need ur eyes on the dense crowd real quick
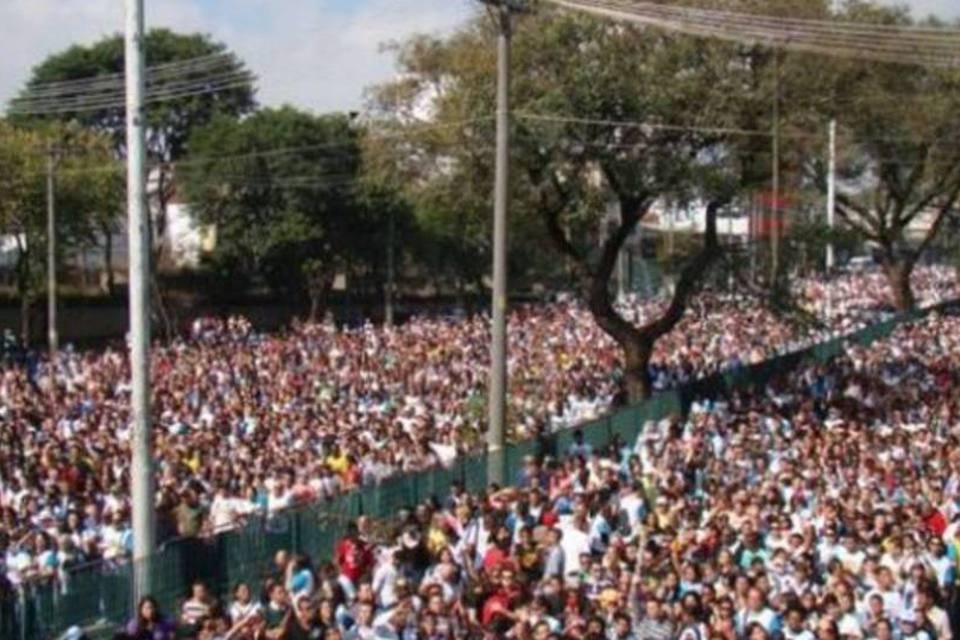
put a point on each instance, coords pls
(824, 506)
(247, 422)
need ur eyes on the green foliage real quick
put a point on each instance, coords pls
(282, 188)
(169, 123)
(898, 127)
(88, 190)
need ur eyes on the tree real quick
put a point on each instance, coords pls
(605, 114)
(899, 128)
(87, 188)
(169, 123)
(282, 189)
(440, 160)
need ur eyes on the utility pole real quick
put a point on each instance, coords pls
(831, 190)
(52, 337)
(388, 293)
(776, 217)
(831, 177)
(752, 237)
(141, 473)
(498, 347)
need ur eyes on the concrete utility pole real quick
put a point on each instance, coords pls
(776, 217)
(144, 534)
(52, 337)
(831, 189)
(832, 175)
(752, 236)
(498, 347)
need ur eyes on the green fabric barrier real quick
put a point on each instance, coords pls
(474, 470)
(515, 454)
(595, 433)
(436, 483)
(104, 592)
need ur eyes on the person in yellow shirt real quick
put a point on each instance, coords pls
(337, 461)
(437, 539)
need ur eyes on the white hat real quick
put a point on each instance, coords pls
(73, 633)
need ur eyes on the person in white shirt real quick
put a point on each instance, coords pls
(892, 598)
(384, 580)
(575, 541)
(928, 611)
(757, 611)
(244, 606)
(910, 629)
(795, 628)
(851, 555)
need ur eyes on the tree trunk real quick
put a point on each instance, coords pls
(637, 384)
(898, 275)
(111, 284)
(23, 291)
(319, 286)
(158, 308)
(25, 319)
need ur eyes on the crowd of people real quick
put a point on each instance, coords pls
(247, 422)
(824, 506)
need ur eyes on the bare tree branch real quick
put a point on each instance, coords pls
(945, 210)
(690, 278)
(852, 214)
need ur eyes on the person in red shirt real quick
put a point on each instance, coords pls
(501, 602)
(498, 554)
(934, 521)
(353, 556)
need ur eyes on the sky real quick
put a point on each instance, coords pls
(315, 54)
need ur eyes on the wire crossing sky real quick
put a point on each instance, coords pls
(317, 54)
(882, 43)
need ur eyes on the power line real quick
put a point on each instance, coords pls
(202, 64)
(177, 80)
(353, 146)
(199, 90)
(317, 147)
(654, 126)
(761, 133)
(113, 96)
(939, 48)
(936, 37)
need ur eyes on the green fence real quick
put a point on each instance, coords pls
(103, 593)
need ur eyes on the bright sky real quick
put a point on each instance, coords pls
(318, 54)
